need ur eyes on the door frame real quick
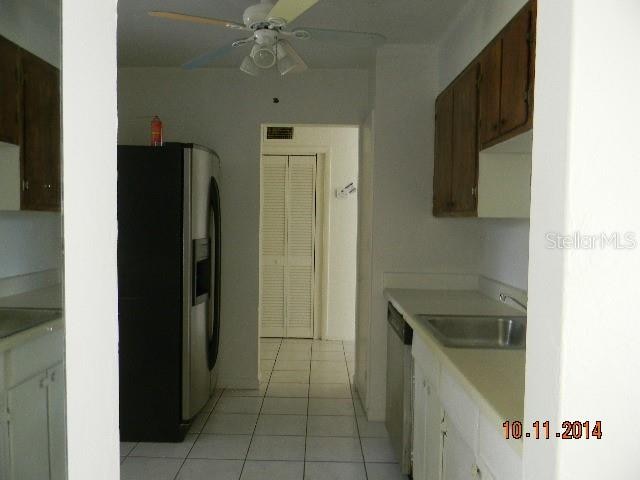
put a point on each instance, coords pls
(321, 229)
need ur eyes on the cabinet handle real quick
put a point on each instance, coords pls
(25, 185)
(474, 191)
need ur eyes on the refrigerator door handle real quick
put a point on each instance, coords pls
(213, 342)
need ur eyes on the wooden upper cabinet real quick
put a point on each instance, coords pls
(490, 85)
(456, 148)
(443, 152)
(506, 80)
(516, 61)
(464, 158)
(10, 125)
(488, 103)
(41, 135)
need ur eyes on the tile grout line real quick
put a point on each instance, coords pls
(306, 430)
(314, 348)
(199, 433)
(269, 382)
(253, 433)
(355, 414)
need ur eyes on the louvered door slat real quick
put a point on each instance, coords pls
(273, 246)
(300, 246)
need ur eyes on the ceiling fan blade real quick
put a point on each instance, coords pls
(208, 58)
(343, 37)
(289, 10)
(194, 19)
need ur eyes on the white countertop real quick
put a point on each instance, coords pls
(49, 297)
(493, 378)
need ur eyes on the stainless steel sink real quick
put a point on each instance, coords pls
(477, 331)
(14, 320)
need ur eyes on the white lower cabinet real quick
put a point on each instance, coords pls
(452, 439)
(57, 423)
(458, 458)
(33, 429)
(427, 429)
(29, 429)
(36, 427)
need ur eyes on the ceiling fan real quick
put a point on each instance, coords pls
(270, 35)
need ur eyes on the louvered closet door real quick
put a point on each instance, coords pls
(299, 271)
(273, 246)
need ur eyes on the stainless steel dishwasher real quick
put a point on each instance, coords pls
(399, 411)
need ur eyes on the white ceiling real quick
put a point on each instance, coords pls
(148, 41)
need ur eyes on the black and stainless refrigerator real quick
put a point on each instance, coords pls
(168, 287)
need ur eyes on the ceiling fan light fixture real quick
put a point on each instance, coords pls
(286, 65)
(248, 66)
(263, 56)
(286, 62)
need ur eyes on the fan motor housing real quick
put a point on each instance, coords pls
(256, 14)
(265, 37)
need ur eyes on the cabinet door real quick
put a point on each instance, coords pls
(465, 143)
(458, 459)
(57, 430)
(516, 56)
(433, 437)
(489, 101)
(443, 152)
(41, 138)
(9, 92)
(427, 432)
(273, 244)
(419, 456)
(29, 429)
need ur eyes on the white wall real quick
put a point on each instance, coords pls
(364, 255)
(224, 108)
(504, 242)
(90, 229)
(34, 25)
(31, 241)
(343, 234)
(582, 341)
(406, 236)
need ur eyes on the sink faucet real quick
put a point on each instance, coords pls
(504, 297)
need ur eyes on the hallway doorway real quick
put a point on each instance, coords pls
(308, 231)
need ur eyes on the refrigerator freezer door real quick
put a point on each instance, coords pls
(197, 376)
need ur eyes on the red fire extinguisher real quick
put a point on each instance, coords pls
(156, 132)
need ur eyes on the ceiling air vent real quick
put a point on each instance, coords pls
(279, 133)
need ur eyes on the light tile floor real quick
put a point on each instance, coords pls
(303, 423)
